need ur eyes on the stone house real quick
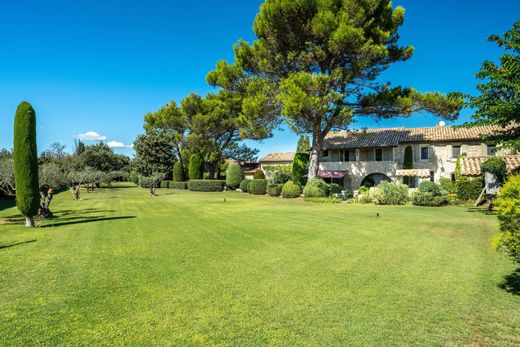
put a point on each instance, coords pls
(355, 158)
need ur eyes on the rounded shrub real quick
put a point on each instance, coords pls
(274, 189)
(178, 172)
(243, 184)
(300, 167)
(291, 190)
(319, 183)
(26, 162)
(206, 185)
(280, 177)
(257, 187)
(430, 194)
(233, 176)
(196, 167)
(259, 174)
(310, 191)
(389, 193)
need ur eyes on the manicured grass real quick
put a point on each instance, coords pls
(188, 268)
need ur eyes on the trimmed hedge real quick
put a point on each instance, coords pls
(274, 189)
(234, 176)
(178, 185)
(244, 184)
(206, 185)
(291, 190)
(165, 184)
(178, 172)
(323, 200)
(311, 191)
(196, 167)
(257, 187)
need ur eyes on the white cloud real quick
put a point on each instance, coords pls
(91, 136)
(117, 144)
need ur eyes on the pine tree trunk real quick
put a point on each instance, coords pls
(29, 222)
(314, 159)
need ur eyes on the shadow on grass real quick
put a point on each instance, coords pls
(16, 244)
(56, 222)
(6, 203)
(511, 283)
(482, 209)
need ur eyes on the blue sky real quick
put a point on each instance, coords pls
(102, 65)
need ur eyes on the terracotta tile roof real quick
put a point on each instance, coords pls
(470, 166)
(278, 156)
(250, 168)
(391, 137)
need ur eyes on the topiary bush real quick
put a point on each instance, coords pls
(243, 184)
(196, 167)
(178, 185)
(496, 166)
(280, 177)
(274, 189)
(26, 163)
(430, 194)
(165, 184)
(178, 172)
(257, 187)
(300, 167)
(206, 185)
(319, 183)
(291, 190)
(310, 191)
(389, 193)
(507, 205)
(259, 174)
(234, 176)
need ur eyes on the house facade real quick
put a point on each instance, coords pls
(367, 157)
(276, 161)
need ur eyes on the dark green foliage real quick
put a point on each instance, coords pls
(390, 193)
(26, 160)
(318, 183)
(280, 177)
(496, 166)
(154, 153)
(300, 167)
(196, 167)
(274, 168)
(259, 174)
(257, 187)
(469, 189)
(178, 172)
(310, 191)
(508, 208)
(243, 184)
(291, 190)
(234, 176)
(101, 157)
(408, 164)
(206, 185)
(335, 188)
(274, 189)
(165, 183)
(325, 200)
(448, 185)
(430, 194)
(178, 185)
(304, 145)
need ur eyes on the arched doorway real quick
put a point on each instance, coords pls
(374, 179)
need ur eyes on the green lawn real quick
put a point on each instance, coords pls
(123, 268)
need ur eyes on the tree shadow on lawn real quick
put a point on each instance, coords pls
(56, 222)
(58, 215)
(482, 210)
(16, 244)
(511, 283)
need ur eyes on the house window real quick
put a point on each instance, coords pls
(379, 154)
(452, 177)
(325, 153)
(346, 155)
(491, 150)
(455, 151)
(424, 153)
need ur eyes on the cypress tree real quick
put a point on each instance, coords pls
(26, 162)
(196, 168)
(408, 163)
(178, 172)
(300, 167)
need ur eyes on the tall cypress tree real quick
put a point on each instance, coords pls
(408, 164)
(26, 162)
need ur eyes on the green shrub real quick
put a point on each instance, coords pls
(335, 188)
(291, 190)
(389, 193)
(496, 166)
(469, 189)
(259, 174)
(26, 162)
(243, 184)
(178, 185)
(280, 177)
(310, 191)
(206, 185)
(323, 200)
(234, 176)
(274, 189)
(300, 167)
(320, 183)
(430, 194)
(196, 167)
(508, 208)
(165, 184)
(178, 172)
(448, 185)
(257, 187)
(273, 168)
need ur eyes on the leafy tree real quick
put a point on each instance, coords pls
(26, 163)
(499, 99)
(56, 153)
(304, 145)
(316, 64)
(101, 157)
(7, 180)
(196, 169)
(154, 153)
(233, 176)
(300, 167)
(497, 167)
(178, 172)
